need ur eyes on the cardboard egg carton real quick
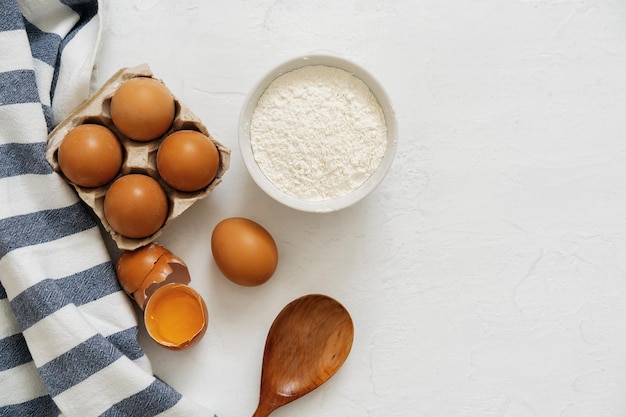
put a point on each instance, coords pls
(139, 157)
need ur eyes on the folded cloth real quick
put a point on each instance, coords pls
(68, 334)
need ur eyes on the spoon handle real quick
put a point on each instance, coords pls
(263, 410)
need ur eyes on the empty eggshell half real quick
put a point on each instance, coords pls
(141, 271)
(133, 266)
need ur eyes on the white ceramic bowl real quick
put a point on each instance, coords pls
(321, 206)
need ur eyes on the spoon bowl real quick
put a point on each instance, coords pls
(306, 345)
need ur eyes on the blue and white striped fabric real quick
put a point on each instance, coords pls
(68, 334)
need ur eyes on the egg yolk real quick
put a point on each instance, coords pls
(175, 314)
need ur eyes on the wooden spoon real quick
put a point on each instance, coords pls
(307, 343)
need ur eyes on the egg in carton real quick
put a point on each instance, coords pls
(139, 157)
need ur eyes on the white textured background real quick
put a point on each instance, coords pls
(487, 274)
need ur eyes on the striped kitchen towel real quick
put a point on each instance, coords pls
(68, 334)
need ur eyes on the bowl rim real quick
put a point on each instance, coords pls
(328, 205)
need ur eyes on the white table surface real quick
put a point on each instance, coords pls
(486, 275)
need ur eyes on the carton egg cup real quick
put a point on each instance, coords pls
(139, 157)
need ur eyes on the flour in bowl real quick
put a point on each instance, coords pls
(318, 133)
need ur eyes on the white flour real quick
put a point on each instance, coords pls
(318, 133)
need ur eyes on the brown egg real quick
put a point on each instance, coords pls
(142, 108)
(244, 251)
(90, 155)
(176, 316)
(188, 160)
(135, 206)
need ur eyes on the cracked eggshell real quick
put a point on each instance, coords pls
(142, 271)
(139, 157)
(175, 315)
(133, 266)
